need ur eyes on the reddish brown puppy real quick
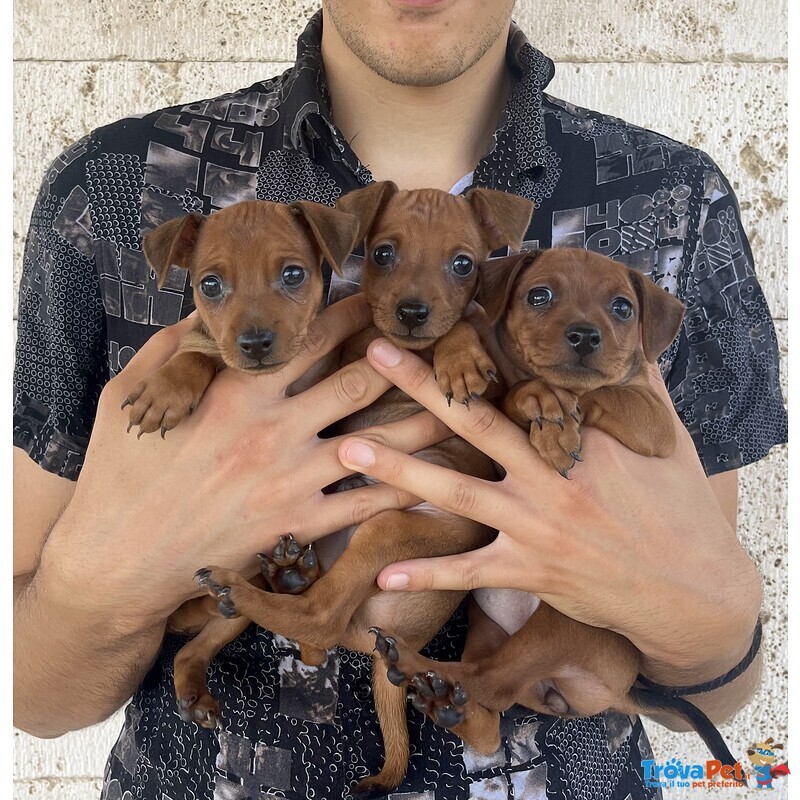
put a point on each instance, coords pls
(256, 269)
(421, 270)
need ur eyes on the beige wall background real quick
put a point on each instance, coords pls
(712, 73)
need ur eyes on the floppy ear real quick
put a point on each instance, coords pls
(366, 204)
(497, 278)
(661, 315)
(334, 231)
(503, 217)
(171, 243)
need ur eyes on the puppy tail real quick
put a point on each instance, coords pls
(649, 700)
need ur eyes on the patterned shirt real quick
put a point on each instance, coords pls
(88, 301)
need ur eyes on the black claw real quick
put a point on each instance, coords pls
(417, 701)
(422, 686)
(449, 398)
(125, 403)
(385, 645)
(130, 425)
(202, 576)
(396, 676)
(576, 455)
(560, 422)
(564, 473)
(465, 402)
(575, 417)
(538, 421)
(491, 375)
(164, 432)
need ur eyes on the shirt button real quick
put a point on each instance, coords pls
(363, 692)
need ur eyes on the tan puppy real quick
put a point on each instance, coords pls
(422, 251)
(583, 328)
(256, 269)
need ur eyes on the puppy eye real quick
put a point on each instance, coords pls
(462, 266)
(540, 296)
(211, 287)
(622, 308)
(293, 276)
(383, 255)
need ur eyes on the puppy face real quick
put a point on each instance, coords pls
(580, 320)
(256, 272)
(422, 250)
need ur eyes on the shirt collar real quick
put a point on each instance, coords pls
(518, 147)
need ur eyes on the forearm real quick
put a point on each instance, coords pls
(72, 667)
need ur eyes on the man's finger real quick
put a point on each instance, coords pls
(335, 324)
(449, 490)
(462, 572)
(481, 424)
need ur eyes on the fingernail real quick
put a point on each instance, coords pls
(397, 581)
(386, 354)
(360, 455)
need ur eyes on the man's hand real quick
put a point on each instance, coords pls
(635, 544)
(246, 467)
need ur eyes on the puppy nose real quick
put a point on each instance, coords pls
(583, 339)
(256, 344)
(412, 313)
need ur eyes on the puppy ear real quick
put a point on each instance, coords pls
(503, 217)
(171, 243)
(497, 278)
(661, 315)
(367, 203)
(334, 231)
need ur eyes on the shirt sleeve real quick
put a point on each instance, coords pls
(61, 361)
(723, 373)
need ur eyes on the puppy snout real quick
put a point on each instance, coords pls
(413, 313)
(583, 339)
(256, 344)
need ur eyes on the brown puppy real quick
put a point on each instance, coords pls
(257, 277)
(422, 251)
(583, 328)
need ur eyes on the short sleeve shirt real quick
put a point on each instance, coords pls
(88, 301)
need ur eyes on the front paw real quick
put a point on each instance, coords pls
(553, 417)
(465, 377)
(160, 403)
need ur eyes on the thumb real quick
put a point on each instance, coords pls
(463, 572)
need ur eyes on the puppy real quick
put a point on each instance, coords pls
(573, 322)
(256, 272)
(420, 272)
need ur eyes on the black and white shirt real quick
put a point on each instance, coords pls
(88, 301)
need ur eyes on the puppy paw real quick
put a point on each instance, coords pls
(553, 416)
(289, 568)
(160, 403)
(220, 584)
(466, 377)
(442, 699)
(202, 709)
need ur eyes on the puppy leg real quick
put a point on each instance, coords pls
(171, 393)
(633, 415)
(390, 703)
(462, 367)
(320, 616)
(553, 418)
(195, 703)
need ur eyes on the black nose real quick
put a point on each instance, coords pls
(583, 339)
(256, 344)
(412, 313)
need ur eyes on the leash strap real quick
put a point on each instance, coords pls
(709, 686)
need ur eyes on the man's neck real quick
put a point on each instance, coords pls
(416, 136)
